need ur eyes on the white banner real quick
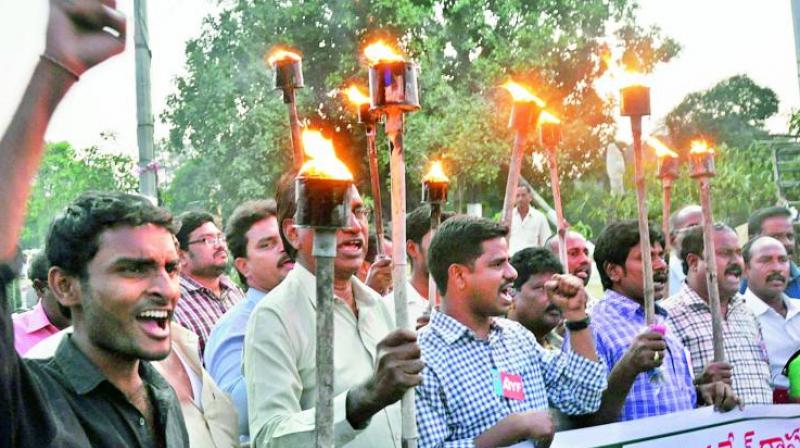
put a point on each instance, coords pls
(776, 426)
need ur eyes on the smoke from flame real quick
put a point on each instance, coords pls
(322, 161)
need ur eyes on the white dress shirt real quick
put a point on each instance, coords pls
(529, 232)
(781, 335)
(417, 305)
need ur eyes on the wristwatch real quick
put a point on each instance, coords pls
(577, 325)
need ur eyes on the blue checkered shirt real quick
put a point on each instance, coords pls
(456, 401)
(616, 320)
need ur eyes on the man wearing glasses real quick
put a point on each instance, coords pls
(206, 292)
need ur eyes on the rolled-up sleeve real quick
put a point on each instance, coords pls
(574, 384)
(274, 388)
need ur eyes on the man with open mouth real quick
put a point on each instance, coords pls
(690, 315)
(487, 382)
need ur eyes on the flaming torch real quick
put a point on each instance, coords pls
(434, 192)
(369, 119)
(524, 113)
(667, 172)
(323, 189)
(636, 104)
(288, 66)
(549, 138)
(701, 157)
(393, 92)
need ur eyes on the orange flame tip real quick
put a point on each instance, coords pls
(547, 117)
(700, 147)
(282, 54)
(356, 96)
(662, 150)
(322, 161)
(521, 94)
(380, 52)
(436, 174)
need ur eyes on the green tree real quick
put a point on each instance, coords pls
(65, 173)
(732, 112)
(227, 120)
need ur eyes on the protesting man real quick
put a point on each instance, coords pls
(766, 265)
(376, 270)
(486, 380)
(261, 262)
(776, 222)
(48, 317)
(529, 226)
(206, 292)
(633, 351)
(114, 264)
(687, 216)
(579, 262)
(690, 315)
(373, 365)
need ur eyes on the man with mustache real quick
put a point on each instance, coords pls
(633, 351)
(776, 222)
(487, 382)
(373, 365)
(579, 263)
(690, 315)
(262, 263)
(206, 292)
(766, 265)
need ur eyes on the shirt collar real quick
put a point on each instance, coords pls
(627, 306)
(253, 295)
(36, 319)
(695, 302)
(794, 271)
(190, 284)
(759, 307)
(452, 330)
(361, 292)
(84, 376)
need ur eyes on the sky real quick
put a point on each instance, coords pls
(720, 38)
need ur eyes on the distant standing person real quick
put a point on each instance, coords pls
(206, 292)
(529, 226)
(777, 223)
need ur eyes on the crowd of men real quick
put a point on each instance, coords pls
(140, 338)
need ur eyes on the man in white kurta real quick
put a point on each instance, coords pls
(529, 226)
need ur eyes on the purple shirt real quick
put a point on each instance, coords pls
(199, 308)
(30, 328)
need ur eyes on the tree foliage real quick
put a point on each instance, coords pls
(64, 174)
(731, 112)
(226, 119)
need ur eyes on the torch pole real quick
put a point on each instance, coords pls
(517, 151)
(436, 217)
(711, 269)
(294, 126)
(562, 223)
(644, 229)
(372, 155)
(394, 131)
(666, 186)
(324, 252)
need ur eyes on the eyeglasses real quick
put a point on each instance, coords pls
(362, 213)
(210, 241)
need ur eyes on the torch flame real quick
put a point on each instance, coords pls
(521, 94)
(436, 174)
(356, 96)
(281, 55)
(662, 150)
(700, 147)
(380, 52)
(323, 162)
(547, 117)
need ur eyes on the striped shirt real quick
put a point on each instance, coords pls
(690, 317)
(616, 320)
(459, 397)
(199, 308)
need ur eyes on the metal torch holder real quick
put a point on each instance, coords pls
(434, 194)
(393, 85)
(288, 76)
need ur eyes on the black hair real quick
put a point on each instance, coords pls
(459, 241)
(73, 239)
(615, 242)
(39, 267)
(747, 249)
(759, 216)
(692, 243)
(189, 221)
(418, 222)
(533, 261)
(240, 222)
